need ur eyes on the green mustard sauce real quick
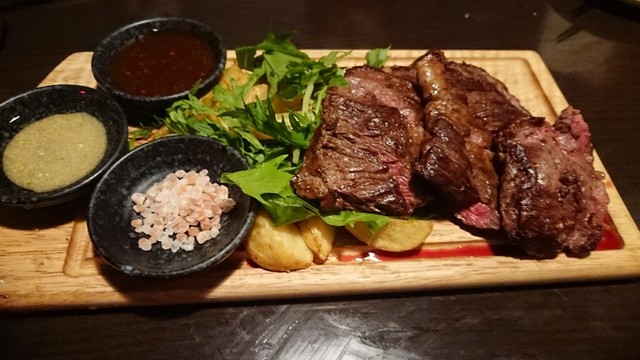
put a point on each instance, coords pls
(54, 152)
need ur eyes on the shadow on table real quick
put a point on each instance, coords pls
(611, 20)
(190, 289)
(18, 218)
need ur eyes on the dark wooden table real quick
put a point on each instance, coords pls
(593, 51)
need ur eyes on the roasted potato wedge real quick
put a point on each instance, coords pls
(319, 237)
(398, 235)
(261, 91)
(234, 73)
(283, 106)
(279, 248)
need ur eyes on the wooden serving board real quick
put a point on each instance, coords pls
(47, 260)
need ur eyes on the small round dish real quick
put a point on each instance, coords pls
(110, 209)
(27, 108)
(134, 61)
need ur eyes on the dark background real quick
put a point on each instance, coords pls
(591, 48)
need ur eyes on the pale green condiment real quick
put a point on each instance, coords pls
(55, 151)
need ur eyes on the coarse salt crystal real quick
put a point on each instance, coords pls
(182, 209)
(138, 198)
(176, 245)
(203, 236)
(144, 244)
(166, 243)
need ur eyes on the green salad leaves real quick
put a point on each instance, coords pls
(292, 77)
(377, 57)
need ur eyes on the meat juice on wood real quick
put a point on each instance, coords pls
(162, 63)
(55, 151)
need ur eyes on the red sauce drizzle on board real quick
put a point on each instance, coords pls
(611, 240)
(162, 63)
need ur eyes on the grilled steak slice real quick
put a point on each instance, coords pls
(486, 97)
(408, 73)
(378, 86)
(361, 157)
(456, 156)
(551, 198)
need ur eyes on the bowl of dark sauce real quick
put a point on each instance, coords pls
(148, 65)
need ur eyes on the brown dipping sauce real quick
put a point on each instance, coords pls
(162, 63)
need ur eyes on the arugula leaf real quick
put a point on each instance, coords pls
(377, 57)
(265, 178)
(261, 116)
(374, 222)
(269, 183)
(230, 98)
(275, 67)
(141, 133)
(191, 116)
(292, 76)
(246, 55)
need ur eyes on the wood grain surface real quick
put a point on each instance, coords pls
(47, 260)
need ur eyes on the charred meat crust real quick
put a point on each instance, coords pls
(458, 98)
(361, 157)
(551, 198)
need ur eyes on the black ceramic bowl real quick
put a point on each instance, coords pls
(36, 104)
(110, 209)
(143, 108)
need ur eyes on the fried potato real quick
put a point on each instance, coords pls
(208, 99)
(319, 237)
(260, 91)
(234, 73)
(283, 106)
(279, 248)
(398, 235)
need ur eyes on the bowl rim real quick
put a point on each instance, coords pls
(217, 258)
(58, 196)
(102, 51)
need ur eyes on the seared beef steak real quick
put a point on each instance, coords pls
(551, 198)
(463, 103)
(450, 123)
(486, 97)
(361, 157)
(370, 84)
(408, 73)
